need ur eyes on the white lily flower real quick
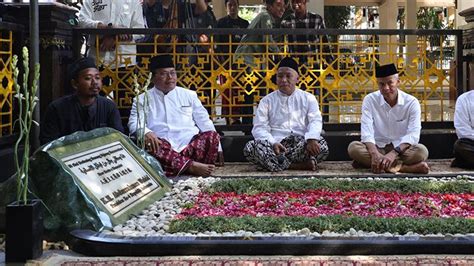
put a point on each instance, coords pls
(19, 96)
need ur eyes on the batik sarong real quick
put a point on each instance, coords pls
(202, 148)
(261, 152)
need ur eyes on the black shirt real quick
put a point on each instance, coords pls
(229, 23)
(65, 116)
(156, 16)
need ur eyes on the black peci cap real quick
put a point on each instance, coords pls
(80, 64)
(289, 62)
(160, 61)
(385, 70)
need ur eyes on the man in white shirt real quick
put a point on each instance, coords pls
(103, 14)
(464, 124)
(178, 131)
(287, 126)
(390, 129)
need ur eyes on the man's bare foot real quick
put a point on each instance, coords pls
(419, 168)
(308, 165)
(200, 169)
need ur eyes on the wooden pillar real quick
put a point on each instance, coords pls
(451, 17)
(55, 46)
(411, 9)
(388, 20)
(461, 6)
(316, 6)
(218, 6)
(358, 19)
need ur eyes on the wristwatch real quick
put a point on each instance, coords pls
(398, 150)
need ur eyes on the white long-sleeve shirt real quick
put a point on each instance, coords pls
(463, 115)
(279, 116)
(175, 117)
(382, 124)
(121, 14)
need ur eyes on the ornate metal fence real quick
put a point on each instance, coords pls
(6, 81)
(339, 72)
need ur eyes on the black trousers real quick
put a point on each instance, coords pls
(464, 153)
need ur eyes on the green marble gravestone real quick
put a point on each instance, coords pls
(94, 180)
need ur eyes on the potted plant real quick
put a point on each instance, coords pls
(24, 217)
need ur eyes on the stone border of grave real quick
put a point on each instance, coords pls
(146, 234)
(97, 244)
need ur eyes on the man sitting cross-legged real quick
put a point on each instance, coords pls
(464, 124)
(287, 126)
(178, 131)
(390, 129)
(84, 110)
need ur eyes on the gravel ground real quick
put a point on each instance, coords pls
(155, 220)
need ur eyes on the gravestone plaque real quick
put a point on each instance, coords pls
(97, 178)
(111, 174)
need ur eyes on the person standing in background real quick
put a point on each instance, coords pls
(106, 14)
(257, 50)
(225, 51)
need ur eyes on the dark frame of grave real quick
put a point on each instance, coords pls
(95, 180)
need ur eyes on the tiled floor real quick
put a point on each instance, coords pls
(263, 260)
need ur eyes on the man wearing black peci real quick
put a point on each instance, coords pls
(82, 111)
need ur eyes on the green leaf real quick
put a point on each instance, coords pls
(339, 224)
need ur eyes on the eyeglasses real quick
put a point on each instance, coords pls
(164, 74)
